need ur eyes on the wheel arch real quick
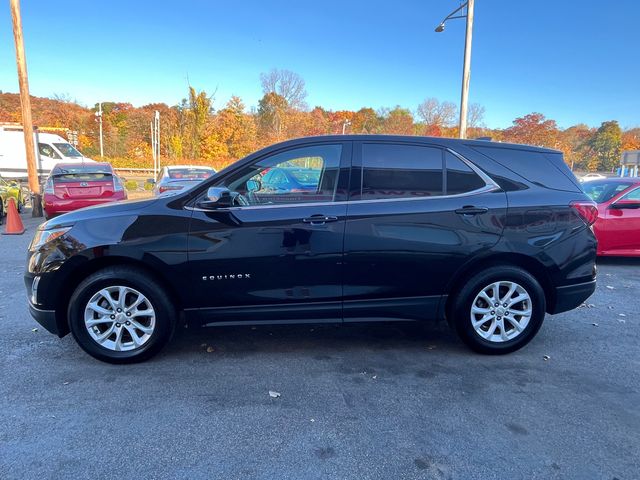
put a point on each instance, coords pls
(527, 263)
(90, 267)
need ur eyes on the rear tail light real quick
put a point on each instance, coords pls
(117, 184)
(587, 211)
(168, 189)
(48, 187)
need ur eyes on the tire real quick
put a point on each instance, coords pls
(151, 323)
(512, 327)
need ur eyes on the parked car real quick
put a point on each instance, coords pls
(592, 176)
(11, 189)
(72, 186)
(488, 235)
(180, 177)
(50, 150)
(618, 225)
(291, 179)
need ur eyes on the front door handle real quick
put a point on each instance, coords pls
(319, 219)
(470, 210)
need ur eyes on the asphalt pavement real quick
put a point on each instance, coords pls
(382, 401)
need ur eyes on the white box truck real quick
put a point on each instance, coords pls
(50, 150)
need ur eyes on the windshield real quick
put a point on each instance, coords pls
(67, 150)
(189, 173)
(603, 191)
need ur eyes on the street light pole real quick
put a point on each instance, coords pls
(466, 68)
(466, 71)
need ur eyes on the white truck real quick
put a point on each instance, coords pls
(50, 150)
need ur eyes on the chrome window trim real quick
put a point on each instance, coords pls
(490, 186)
(486, 178)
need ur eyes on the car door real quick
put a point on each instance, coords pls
(622, 224)
(416, 213)
(278, 256)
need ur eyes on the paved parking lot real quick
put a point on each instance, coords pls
(384, 401)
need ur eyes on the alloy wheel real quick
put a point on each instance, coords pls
(501, 311)
(120, 318)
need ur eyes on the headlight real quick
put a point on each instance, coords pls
(43, 237)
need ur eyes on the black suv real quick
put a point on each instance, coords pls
(488, 235)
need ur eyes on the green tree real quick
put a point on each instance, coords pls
(606, 144)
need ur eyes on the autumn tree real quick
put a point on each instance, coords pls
(287, 84)
(235, 129)
(533, 129)
(607, 143)
(631, 139)
(198, 114)
(271, 117)
(398, 121)
(575, 144)
(366, 120)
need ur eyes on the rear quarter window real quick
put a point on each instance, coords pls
(541, 168)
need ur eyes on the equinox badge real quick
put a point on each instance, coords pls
(234, 276)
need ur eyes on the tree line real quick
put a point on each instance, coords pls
(193, 131)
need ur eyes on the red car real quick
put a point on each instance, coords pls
(71, 186)
(618, 225)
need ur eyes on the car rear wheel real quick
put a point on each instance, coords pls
(499, 310)
(121, 315)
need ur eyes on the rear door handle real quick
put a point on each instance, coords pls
(470, 210)
(319, 219)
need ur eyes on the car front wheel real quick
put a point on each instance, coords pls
(499, 310)
(121, 315)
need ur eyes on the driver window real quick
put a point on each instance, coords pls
(47, 151)
(301, 175)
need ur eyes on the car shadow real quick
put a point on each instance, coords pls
(315, 339)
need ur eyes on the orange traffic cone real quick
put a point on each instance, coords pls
(14, 222)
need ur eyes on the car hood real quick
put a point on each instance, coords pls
(100, 211)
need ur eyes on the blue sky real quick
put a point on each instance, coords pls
(574, 61)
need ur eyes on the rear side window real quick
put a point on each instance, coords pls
(460, 177)
(400, 171)
(544, 169)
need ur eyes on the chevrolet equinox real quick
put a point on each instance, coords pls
(489, 236)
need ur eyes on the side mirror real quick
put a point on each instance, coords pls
(216, 197)
(151, 181)
(625, 204)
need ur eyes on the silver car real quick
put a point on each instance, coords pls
(178, 178)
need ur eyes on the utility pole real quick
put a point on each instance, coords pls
(99, 115)
(155, 142)
(466, 67)
(466, 71)
(25, 101)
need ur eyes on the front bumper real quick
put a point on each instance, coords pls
(571, 296)
(46, 318)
